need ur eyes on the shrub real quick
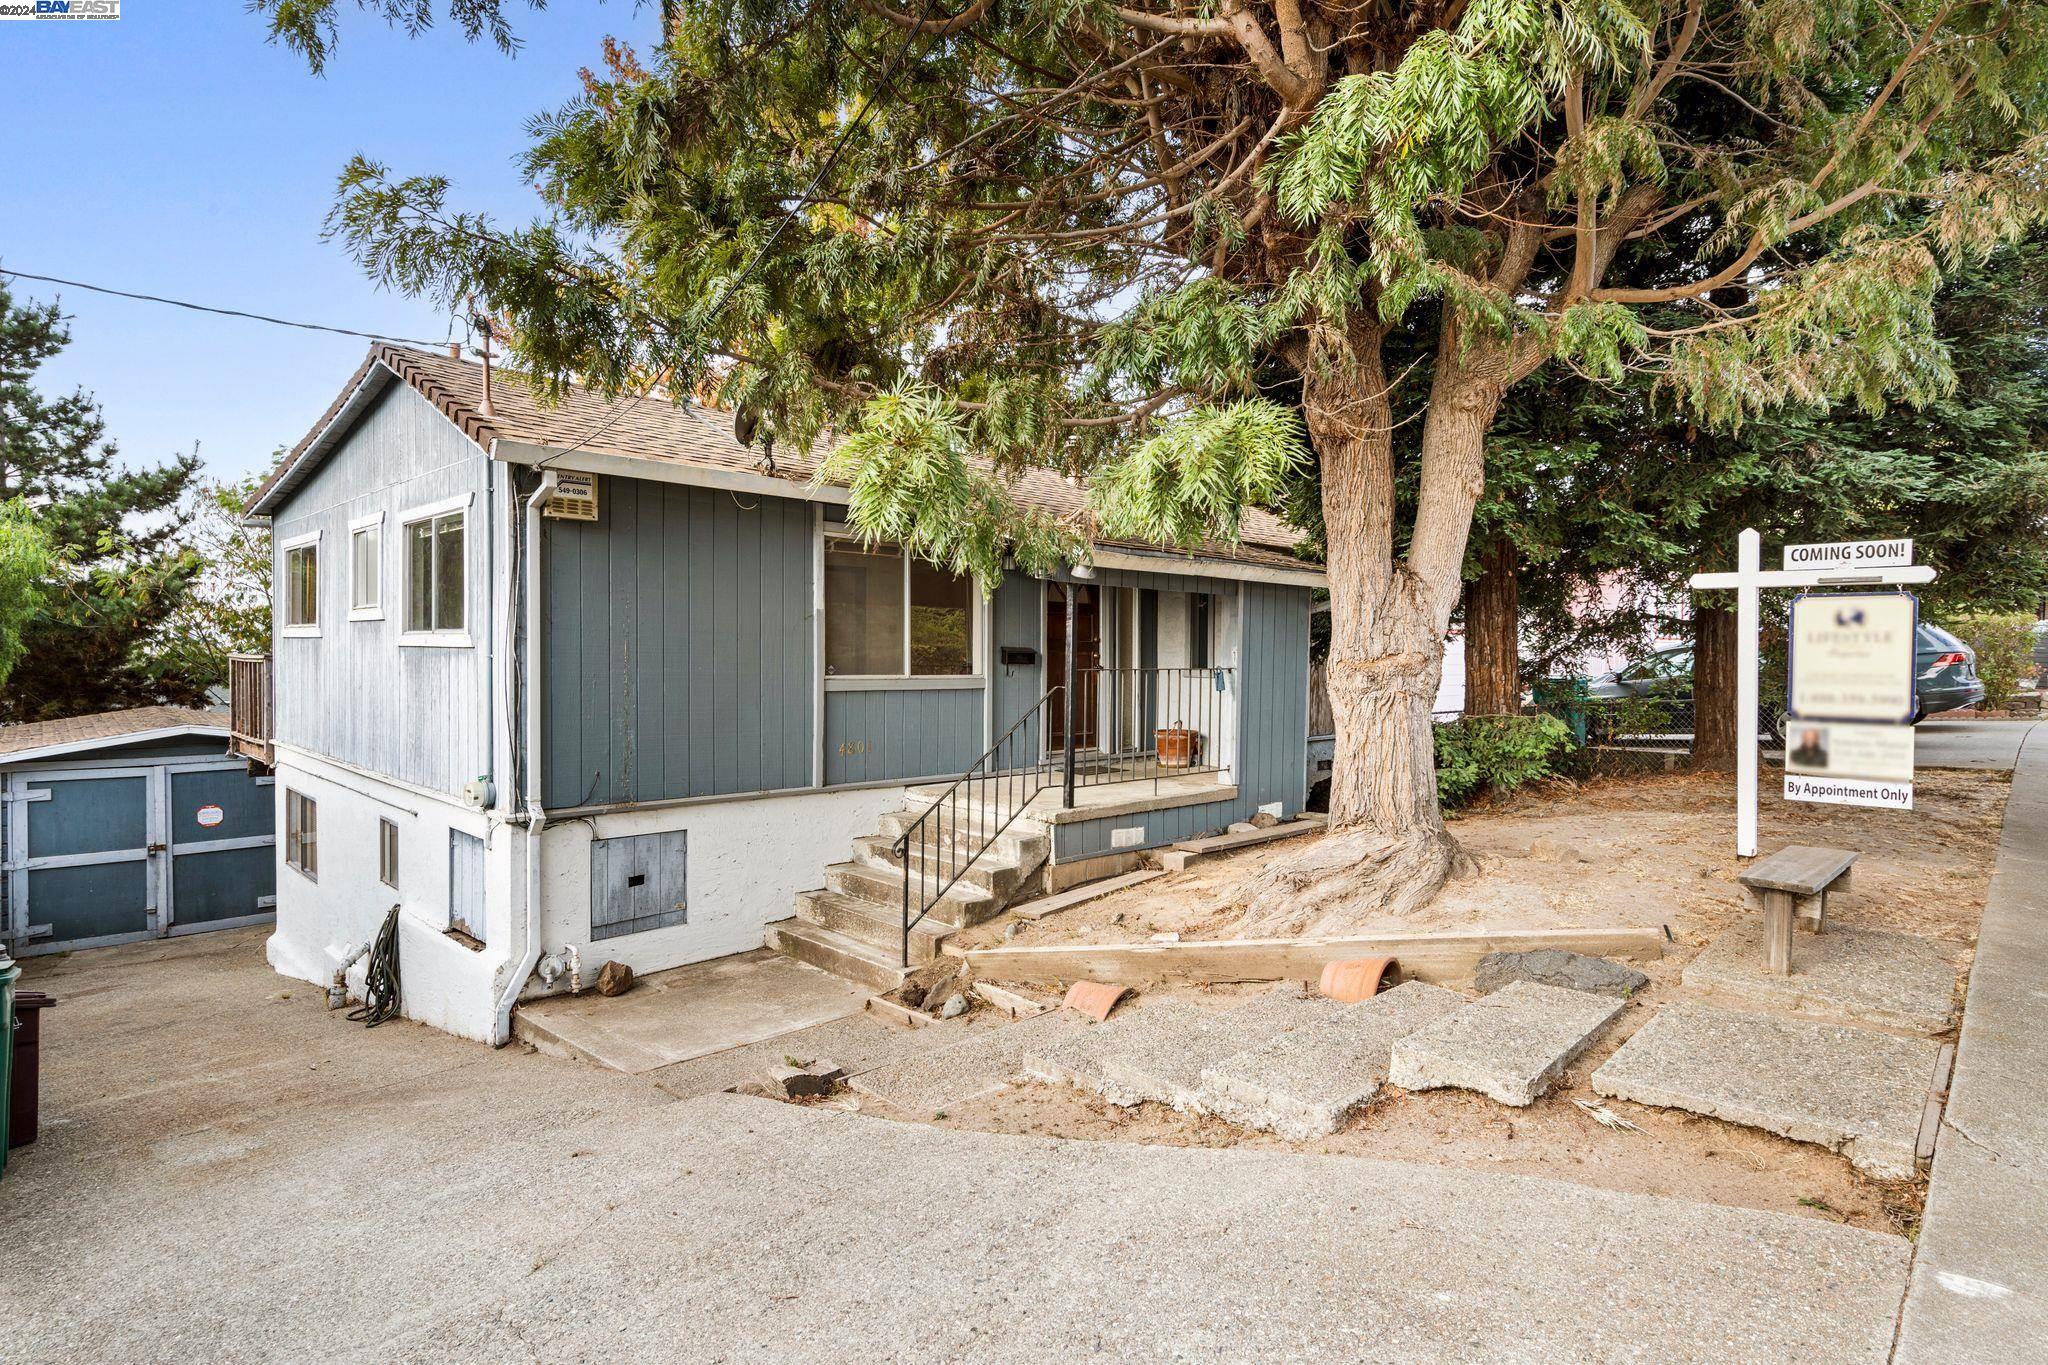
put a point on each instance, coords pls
(1496, 753)
(2004, 642)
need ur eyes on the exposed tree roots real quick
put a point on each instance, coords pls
(1347, 877)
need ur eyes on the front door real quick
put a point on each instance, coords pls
(1087, 660)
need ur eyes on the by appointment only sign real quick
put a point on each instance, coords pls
(1849, 698)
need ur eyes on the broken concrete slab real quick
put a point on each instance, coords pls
(1076, 1059)
(1510, 1046)
(806, 1080)
(1165, 1064)
(1851, 1090)
(1556, 967)
(926, 1080)
(1859, 976)
(1307, 1081)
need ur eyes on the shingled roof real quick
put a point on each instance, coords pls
(105, 728)
(660, 432)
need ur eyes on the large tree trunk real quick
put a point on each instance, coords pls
(1388, 851)
(1713, 688)
(1493, 620)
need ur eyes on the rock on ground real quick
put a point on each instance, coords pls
(1556, 967)
(614, 978)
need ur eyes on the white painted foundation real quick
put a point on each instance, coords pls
(747, 861)
(446, 984)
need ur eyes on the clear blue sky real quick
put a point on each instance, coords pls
(175, 152)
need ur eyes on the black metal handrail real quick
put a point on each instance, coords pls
(1114, 725)
(937, 833)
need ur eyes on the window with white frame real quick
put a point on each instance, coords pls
(387, 852)
(301, 833)
(433, 574)
(888, 615)
(302, 585)
(366, 569)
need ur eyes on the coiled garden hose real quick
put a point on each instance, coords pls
(380, 977)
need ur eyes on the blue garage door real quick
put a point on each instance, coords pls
(221, 836)
(86, 872)
(112, 854)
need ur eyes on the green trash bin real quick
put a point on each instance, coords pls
(8, 975)
(1566, 699)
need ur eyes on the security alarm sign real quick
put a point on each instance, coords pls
(1850, 656)
(209, 816)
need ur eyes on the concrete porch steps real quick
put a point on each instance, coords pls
(872, 923)
(998, 877)
(853, 925)
(962, 905)
(859, 961)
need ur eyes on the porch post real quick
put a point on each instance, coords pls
(1067, 735)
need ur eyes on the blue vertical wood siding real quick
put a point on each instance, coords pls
(676, 646)
(1019, 619)
(887, 736)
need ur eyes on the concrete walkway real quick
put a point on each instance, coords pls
(228, 1172)
(1980, 1279)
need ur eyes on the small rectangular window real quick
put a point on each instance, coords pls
(434, 573)
(863, 610)
(301, 833)
(365, 571)
(941, 623)
(889, 616)
(387, 853)
(302, 585)
(1201, 619)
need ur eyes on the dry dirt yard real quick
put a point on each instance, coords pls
(1637, 853)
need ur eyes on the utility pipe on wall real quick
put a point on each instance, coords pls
(536, 817)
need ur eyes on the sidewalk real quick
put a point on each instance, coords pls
(1979, 1289)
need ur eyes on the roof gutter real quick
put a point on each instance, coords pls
(665, 471)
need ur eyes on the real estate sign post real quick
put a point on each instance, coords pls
(1852, 667)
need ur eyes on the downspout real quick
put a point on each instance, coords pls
(536, 817)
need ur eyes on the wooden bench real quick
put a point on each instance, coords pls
(1793, 883)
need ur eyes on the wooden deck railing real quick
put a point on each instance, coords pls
(249, 706)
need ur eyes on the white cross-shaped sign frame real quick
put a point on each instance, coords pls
(1749, 580)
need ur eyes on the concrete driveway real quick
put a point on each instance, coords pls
(229, 1172)
(1989, 744)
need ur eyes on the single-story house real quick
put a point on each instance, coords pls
(129, 825)
(598, 680)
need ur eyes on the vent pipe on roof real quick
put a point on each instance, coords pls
(455, 350)
(484, 409)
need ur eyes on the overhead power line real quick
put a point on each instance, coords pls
(223, 312)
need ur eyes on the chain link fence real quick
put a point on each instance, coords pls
(1631, 736)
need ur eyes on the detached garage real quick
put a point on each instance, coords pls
(130, 825)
